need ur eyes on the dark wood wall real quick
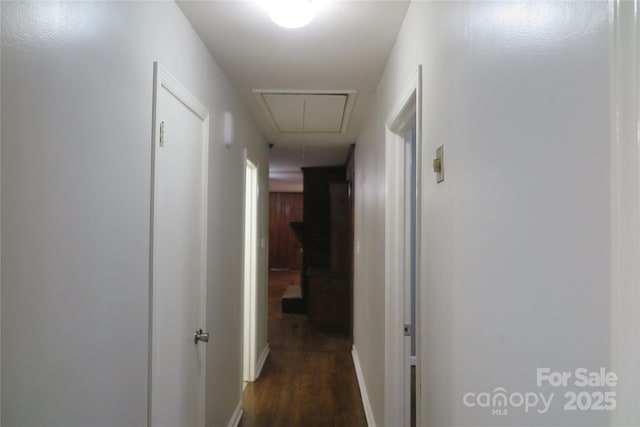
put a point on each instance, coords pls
(317, 213)
(326, 262)
(351, 182)
(284, 249)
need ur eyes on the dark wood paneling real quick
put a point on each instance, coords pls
(351, 177)
(326, 261)
(284, 249)
(339, 225)
(317, 213)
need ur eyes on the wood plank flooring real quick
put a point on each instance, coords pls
(308, 379)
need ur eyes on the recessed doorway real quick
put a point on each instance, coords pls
(250, 271)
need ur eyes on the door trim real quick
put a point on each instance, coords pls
(625, 206)
(162, 79)
(250, 283)
(409, 105)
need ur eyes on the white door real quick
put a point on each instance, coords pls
(178, 257)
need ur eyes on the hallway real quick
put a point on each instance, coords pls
(308, 378)
(526, 218)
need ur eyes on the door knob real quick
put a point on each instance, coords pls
(200, 336)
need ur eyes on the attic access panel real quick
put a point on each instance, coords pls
(307, 112)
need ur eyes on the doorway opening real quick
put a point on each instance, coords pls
(250, 272)
(402, 250)
(410, 236)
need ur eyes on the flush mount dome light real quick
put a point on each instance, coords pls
(291, 13)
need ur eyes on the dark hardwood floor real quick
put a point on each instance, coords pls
(308, 379)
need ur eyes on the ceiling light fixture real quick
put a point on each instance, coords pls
(291, 13)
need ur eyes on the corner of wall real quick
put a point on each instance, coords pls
(625, 208)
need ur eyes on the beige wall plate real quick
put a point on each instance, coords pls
(438, 164)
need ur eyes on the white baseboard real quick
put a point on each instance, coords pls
(263, 358)
(237, 416)
(368, 412)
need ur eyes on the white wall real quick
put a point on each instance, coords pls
(515, 242)
(76, 155)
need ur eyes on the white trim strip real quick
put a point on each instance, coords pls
(168, 82)
(368, 412)
(262, 360)
(237, 416)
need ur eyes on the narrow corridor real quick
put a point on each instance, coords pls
(308, 379)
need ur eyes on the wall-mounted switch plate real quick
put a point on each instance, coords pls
(438, 164)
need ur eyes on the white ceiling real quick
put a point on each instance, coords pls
(344, 48)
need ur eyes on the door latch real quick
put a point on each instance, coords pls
(162, 134)
(407, 330)
(200, 336)
(438, 164)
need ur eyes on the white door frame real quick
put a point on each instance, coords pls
(162, 79)
(625, 207)
(397, 395)
(250, 269)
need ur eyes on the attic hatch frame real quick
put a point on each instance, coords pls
(346, 115)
